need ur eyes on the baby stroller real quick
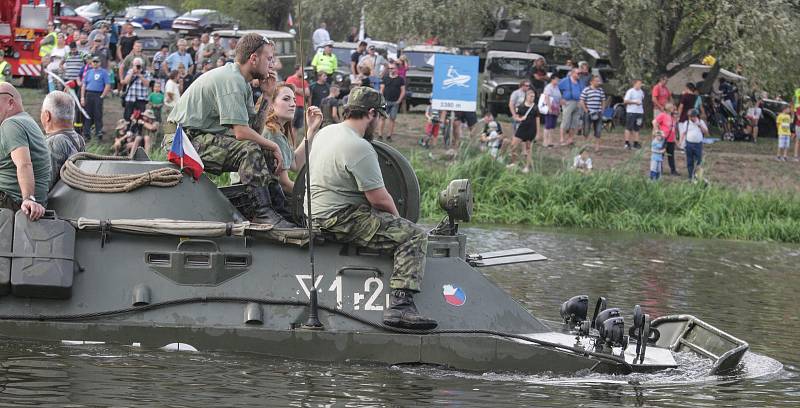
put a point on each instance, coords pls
(732, 124)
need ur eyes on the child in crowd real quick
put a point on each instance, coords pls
(491, 139)
(657, 154)
(149, 132)
(122, 139)
(582, 162)
(156, 100)
(431, 127)
(784, 124)
(753, 116)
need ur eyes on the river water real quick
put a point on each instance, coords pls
(745, 288)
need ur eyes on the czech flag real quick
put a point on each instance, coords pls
(183, 154)
(454, 295)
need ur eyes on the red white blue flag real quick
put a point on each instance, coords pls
(184, 155)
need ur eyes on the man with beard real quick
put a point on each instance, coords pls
(350, 203)
(218, 115)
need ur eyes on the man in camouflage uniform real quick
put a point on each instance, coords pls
(351, 204)
(218, 115)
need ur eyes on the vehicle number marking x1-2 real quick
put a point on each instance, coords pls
(373, 287)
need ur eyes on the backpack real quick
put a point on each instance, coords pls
(543, 106)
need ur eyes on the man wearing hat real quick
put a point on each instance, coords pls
(5, 67)
(96, 85)
(326, 61)
(376, 64)
(350, 203)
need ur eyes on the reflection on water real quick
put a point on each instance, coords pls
(745, 288)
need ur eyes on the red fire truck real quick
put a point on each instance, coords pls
(23, 24)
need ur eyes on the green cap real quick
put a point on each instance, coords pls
(365, 98)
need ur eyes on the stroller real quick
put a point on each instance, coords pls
(608, 118)
(731, 123)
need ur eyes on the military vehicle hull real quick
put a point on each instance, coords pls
(146, 274)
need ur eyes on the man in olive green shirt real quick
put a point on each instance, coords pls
(351, 204)
(24, 157)
(217, 113)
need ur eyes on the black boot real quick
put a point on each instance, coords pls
(403, 313)
(264, 213)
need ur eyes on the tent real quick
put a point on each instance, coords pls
(694, 73)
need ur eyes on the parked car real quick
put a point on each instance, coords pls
(155, 17)
(152, 40)
(68, 15)
(419, 78)
(98, 23)
(342, 51)
(200, 21)
(284, 46)
(93, 11)
(504, 71)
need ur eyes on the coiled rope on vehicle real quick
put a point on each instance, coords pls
(114, 183)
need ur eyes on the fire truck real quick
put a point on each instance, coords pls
(23, 24)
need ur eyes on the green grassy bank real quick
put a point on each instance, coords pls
(615, 199)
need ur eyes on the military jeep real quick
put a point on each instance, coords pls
(419, 78)
(504, 70)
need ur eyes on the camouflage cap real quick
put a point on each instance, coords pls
(365, 98)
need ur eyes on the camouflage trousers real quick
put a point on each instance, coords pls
(370, 228)
(223, 153)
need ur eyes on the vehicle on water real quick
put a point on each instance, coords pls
(503, 72)
(108, 266)
(343, 51)
(419, 78)
(284, 46)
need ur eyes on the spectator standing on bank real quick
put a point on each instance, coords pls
(515, 99)
(353, 36)
(156, 100)
(58, 110)
(97, 85)
(666, 123)
(71, 67)
(172, 93)
(325, 61)
(402, 66)
(301, 95)
(656, 155)
(159, 67)
(584, 76)
(634, 114)
(692, 132)
(180, 57)
(193, 49)
(393, 88)
(571, 89)
(320, 36)
(551, 109)
(783, 123)
(593, 101)
(205, 39)
(355, 57)
(319, 89)
(330, 107)
(24, 157)
(126, 41)
(527, 116)
(376, 64)
(113, 39)
(687, 102)
(138, 82)
(753, 115)
(127, 62)
(661, 95)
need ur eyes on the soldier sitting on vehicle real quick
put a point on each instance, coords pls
(218, 115)
(350, 203)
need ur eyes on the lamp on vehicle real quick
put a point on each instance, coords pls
(612, 332)
(500, 91)
(574, 310)
(456, 200)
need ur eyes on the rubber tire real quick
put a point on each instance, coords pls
(156, 26)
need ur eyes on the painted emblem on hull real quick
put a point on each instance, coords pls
(454, 295)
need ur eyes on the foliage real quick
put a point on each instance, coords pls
(615, 200)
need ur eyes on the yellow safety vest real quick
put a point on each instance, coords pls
(325, 63)
(48, 48)
(3, 66)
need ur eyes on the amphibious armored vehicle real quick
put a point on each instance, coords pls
(154, 258)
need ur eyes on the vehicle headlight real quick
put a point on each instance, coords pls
(339, 78)
(500, 91)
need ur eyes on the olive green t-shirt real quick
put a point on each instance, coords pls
(215, 101)
(343, 166)
(18, 131)
(287, 151)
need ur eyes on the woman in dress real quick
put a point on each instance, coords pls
(527, 117)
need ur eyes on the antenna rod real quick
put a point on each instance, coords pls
(312, 323)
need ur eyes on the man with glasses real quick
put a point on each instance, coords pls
(96, 86)
(218, 115)
(393, 90)
(351, 203)
(516, 99)
(24, 157)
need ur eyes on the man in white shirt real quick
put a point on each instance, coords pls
(634, 114)
(692, 132)
(320, 36)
